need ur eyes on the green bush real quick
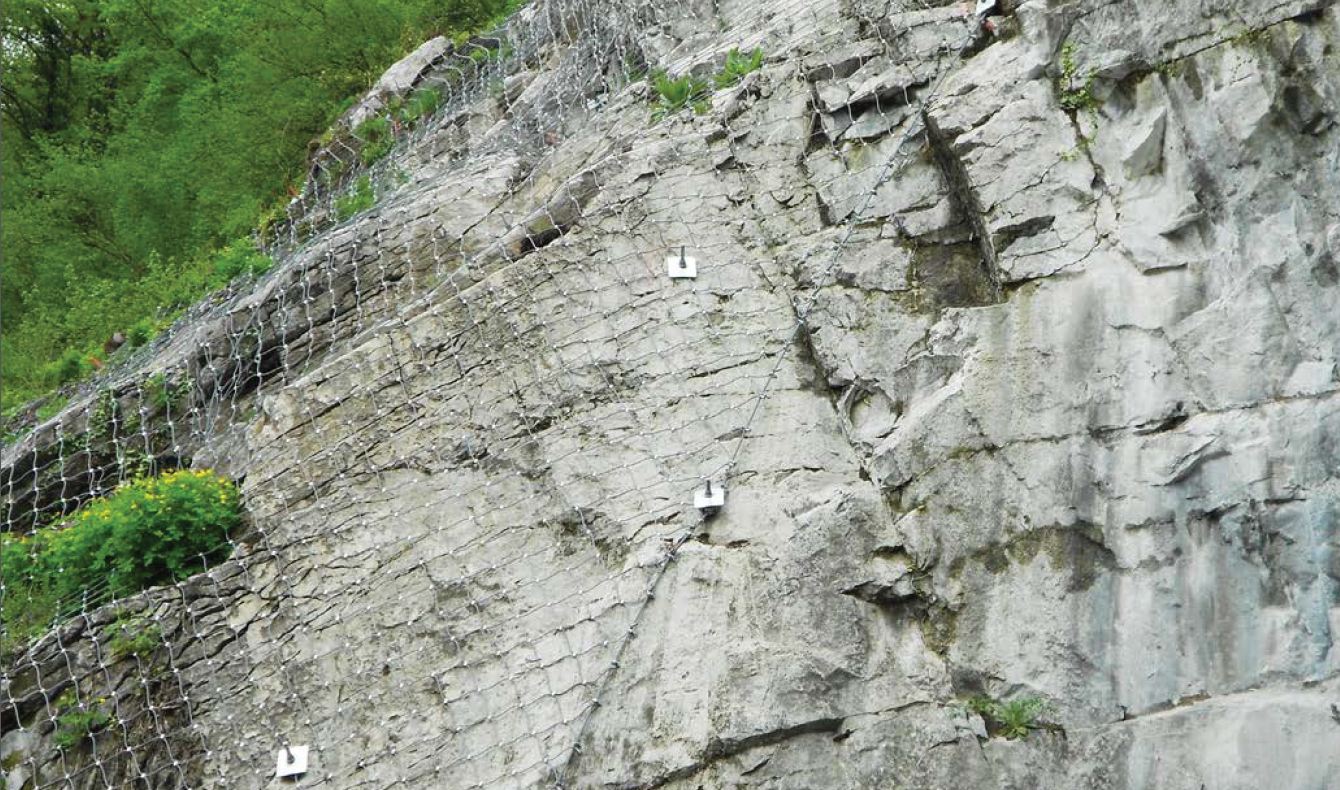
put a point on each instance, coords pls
(141, 332)
(480, 54)
(71, 366)
(139, 138)
(673, 95)
(359, 200)
(737, 66)
(27, 609)
(240, 257)
(165, 394)
(78, 721)
(150, 531)
(140, 309)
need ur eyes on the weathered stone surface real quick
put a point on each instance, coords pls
(1052, 411)
(398, 80)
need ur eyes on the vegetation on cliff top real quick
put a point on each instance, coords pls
(141, 139)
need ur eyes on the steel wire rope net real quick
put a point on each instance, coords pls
(468, 420)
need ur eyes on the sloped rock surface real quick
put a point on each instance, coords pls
(1016, 391)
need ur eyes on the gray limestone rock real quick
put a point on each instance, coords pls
(1018, 399)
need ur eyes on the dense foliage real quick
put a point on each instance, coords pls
(141, 138)
(152, 530)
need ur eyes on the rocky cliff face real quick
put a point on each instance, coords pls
(1014, 350)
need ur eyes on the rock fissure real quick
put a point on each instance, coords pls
(965, 198)
(723, 749)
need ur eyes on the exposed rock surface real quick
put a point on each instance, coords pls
(1045, 346)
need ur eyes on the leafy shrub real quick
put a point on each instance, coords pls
(74, 364)
(151, 530)
(105, 417)
(141, 332)
(78, 721)
(332, 171)
(71, 366)
(26, 609)
(359, 200)
(377, 138)
(134, 636)
(737, 66)
(673, 95)
(240, 257)
(479, 54)
(1012, 719)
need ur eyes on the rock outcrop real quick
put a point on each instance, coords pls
(1013, 343)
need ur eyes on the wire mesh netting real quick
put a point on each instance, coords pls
(469, 411)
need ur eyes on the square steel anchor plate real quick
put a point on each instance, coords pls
(709, 496)
(681, 267)
(292, 761)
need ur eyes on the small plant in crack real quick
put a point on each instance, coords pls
(674, 94)
(1018, 716)
(1082, 146)
(738, 66)
(1251, 35)
(167, 394)
(1012, 719)
(134, 636)
(103, 417)
(78, 721)
(1076, 90)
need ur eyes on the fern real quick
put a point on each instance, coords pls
(737, 66)
(673, 95)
